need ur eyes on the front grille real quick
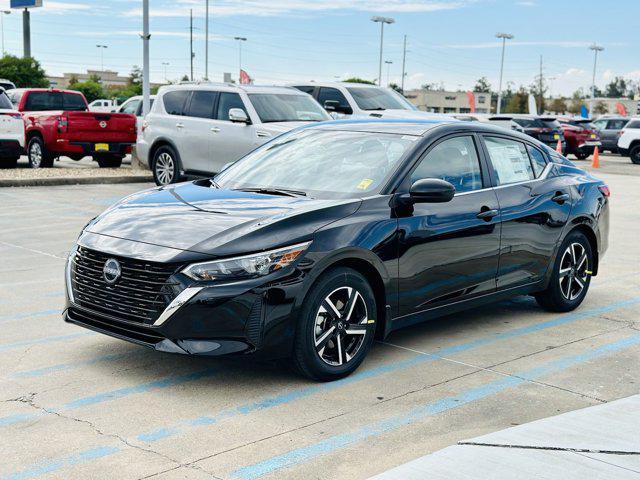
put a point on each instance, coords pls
(140, 295)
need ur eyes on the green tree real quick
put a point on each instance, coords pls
(91, 90)
(600, 108)
(519, 102)
(24, 72)
(482, 85)
(559, 105)
(359, 80)
(395, 87)
(576, 101)
(618, 87)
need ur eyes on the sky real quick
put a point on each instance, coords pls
(448, 42)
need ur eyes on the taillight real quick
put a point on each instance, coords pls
(63, 123)
(604, 189)
(144, 126)
(620, 133)
(11, 114)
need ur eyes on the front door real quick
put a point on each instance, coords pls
(448, 252)
(534, 205)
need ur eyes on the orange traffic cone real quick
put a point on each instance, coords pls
(559, 147)
(595, 163)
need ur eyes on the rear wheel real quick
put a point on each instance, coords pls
(634, 154)
(109, 161)
(571, 275)
(39, 156)
(582, 156)
(336, 327)
(166, 168)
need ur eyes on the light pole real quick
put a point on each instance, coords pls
(388, 62)
(2, 14)
(146, 36)
(206, 42)
(504, 37)
(102, 49)
(165, 65)
(381, 21)
(596, 48)
(240, 40)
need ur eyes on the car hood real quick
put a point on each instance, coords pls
(195, 217)
(409, 115)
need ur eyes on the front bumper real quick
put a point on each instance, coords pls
(588, 147)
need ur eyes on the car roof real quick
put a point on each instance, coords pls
(335, 84)
(231, 87)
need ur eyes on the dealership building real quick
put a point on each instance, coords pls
(438, 101)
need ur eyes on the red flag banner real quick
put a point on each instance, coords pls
(621, 110)
(472, 101)
(245, 79)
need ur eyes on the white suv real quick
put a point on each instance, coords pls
(199, 128)
(361, 100)
(11, 132)
(629, 140)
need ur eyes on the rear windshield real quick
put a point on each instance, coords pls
(372, 98)
(45, 101)
(581, 123)
(276, 107)
(5, 102)
(537, 123)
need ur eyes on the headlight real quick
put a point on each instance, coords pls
(249, 266)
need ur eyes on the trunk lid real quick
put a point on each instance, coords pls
(100, 127)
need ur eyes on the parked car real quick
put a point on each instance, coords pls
(581, 136)
(610, 129)
(133, 106)
(359, 100)
(629, 140)
(58, 123)
(103, 105)
(331, 235)
(545, 129)
(7, 84)
(11, 133)
(197, 129)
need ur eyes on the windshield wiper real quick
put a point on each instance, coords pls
(372, 109)
(274, 191)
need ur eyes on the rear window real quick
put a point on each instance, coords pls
(633, 124)
(73, 101)
(44, 101)
(174, 101)
(5, 102)
(537, 123)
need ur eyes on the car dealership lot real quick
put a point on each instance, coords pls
(81, 405)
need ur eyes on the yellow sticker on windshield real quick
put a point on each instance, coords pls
(364, 184)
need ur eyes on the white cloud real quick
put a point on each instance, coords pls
(527, 3)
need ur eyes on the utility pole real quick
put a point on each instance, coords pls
(504, 37)
(596, 48)
(191, 40)
(540, 112)
(26, 32)
(381, 21)
(206, 41)
(2, 14)
(165, 65)
(404, 59)
(388, 62)
(146, 90)
(240, 40)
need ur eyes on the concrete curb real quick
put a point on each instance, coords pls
(53, 181)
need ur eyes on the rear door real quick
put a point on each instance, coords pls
(197, 133)
(534, 205)
(610, 133)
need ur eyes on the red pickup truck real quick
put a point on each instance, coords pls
(58, 122)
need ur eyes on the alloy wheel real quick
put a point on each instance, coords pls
(340, 326)
(165, 168)
(35, 154)
(573, 273)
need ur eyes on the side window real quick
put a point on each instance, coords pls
(306, 88)
(454, 160)
(131, 107)
(201, 104)
(537, 160)
(335, 95)
(616, 124)
(599, 124)
(174, 101)
(510, 160)
(227, 102)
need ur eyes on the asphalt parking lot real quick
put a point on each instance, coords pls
(75, 404)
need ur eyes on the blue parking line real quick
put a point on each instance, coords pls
(331, 444)
(271, 402)
(114, 395)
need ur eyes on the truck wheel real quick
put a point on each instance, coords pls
(10, 162)
(39, 156)
(110, 161)
(165, 166)
(634, 154)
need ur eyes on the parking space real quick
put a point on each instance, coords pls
(76, 404)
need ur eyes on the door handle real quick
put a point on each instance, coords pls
(215, 129)
(179, 125)
(560, 198)
(263, 134)
(487, 214)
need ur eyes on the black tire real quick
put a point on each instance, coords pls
(322, 361)
(11, 162)
(582, 156)
(39, 156)
(165, 166)
(634, 154)
(569, 275)
(109, 161)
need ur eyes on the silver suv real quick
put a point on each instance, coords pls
(199, 128)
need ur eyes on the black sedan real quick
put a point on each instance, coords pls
(332, 235)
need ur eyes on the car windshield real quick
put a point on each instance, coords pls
(371, 98)
(284, 107)
(537, 122)
(320, 163)
(5, 103)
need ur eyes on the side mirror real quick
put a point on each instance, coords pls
(238, 115)
(331, 105)
(431, 190)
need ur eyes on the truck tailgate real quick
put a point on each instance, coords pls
(101, 127)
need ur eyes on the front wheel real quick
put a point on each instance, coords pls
(571, 275)
(165, 166)
(39, 156)
(336, 327)
(634, 154)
